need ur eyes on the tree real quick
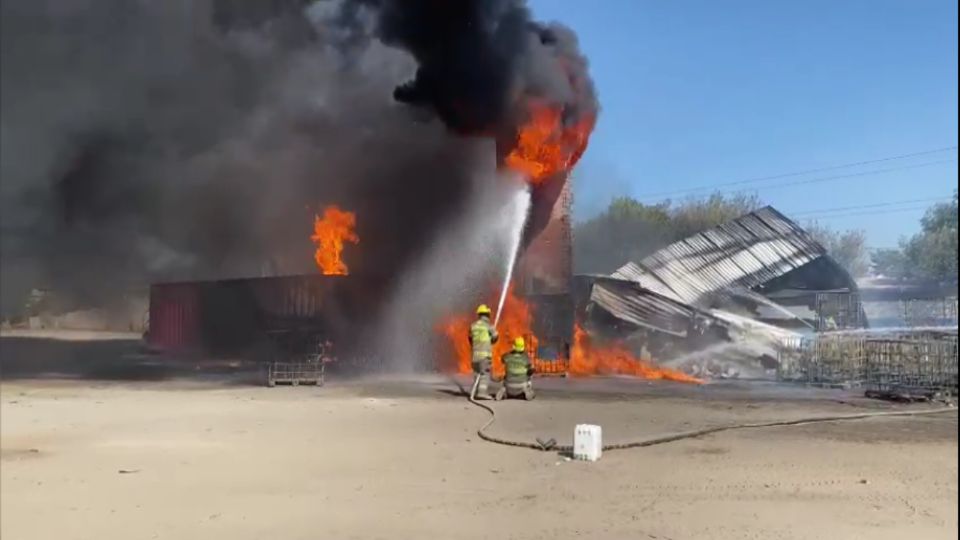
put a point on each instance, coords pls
(931, 253)
(630, 230)
(889, 262)
(695, 215)
(848, 248)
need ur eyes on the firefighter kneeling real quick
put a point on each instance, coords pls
(516, 381)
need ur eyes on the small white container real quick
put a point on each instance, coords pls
(587, 442)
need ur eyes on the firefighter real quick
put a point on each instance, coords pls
(516, 382)
(482, 337)
(830, 324)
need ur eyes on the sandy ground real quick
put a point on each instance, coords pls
(210, 459)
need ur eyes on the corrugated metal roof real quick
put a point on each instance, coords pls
(637, 274)
(664, 290)
(746, 252)
(630, 302)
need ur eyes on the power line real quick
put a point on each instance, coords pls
(876, 205)
(799, 173)
(870, 213)
(865, 173)
(853, 175)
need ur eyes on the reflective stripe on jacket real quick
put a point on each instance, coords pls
(517, 364)
(482, 337)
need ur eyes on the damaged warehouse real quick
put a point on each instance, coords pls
(759, 297)
(759, 277)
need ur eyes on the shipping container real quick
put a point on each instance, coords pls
(243, 316)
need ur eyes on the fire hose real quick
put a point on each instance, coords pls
(551, 445)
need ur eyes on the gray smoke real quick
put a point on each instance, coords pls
(184, 140)
(196, 139)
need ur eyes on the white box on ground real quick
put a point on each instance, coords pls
(587, 442)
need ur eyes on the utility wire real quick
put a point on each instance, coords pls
(868, 213)
(876, 205)
(798, 173)
(851, 175)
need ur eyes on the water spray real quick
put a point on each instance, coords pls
(518, 210)
(769, 303)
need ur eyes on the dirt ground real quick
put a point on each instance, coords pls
(211, 458)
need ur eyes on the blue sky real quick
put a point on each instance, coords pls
(698, 93)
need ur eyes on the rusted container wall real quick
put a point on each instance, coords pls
(173, 317)
(241, 315)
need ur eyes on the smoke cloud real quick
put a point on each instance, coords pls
(149, 141)
(481, 61)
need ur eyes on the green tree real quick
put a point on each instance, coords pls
(849, 248)
(695, 215)
(931, 253)
(889, 262)
(630, 230)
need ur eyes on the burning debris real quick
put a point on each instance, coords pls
(516, 321)
(586, 359)
(329, 233)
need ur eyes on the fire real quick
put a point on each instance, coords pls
(516, 320)
(545, 146)
(329, 233)
(456, 329)
(587, 359)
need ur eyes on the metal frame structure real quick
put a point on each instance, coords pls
(844, 307)
(305, 368)
(922, 363)
(922, 312)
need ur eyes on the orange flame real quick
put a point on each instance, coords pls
(587, 359)
(516, 320)
(545, 146)
(329, 233)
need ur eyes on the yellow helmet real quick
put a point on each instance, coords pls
(519, 345)
(483, 309)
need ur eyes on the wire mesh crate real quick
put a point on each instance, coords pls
(296, 373)
(920, 365)
(913, 363)
(301, 368)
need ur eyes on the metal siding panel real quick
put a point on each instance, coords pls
(701, 261)
(631, 271)
(629, 302)
(747, 251)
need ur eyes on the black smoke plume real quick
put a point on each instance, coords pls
(481, 61)
(480, 65)
(147, 141)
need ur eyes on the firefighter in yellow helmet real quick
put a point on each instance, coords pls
(517, 381)
(482, 337)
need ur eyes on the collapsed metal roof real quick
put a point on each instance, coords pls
(745, 252)
(732, 259)
(628, 301)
